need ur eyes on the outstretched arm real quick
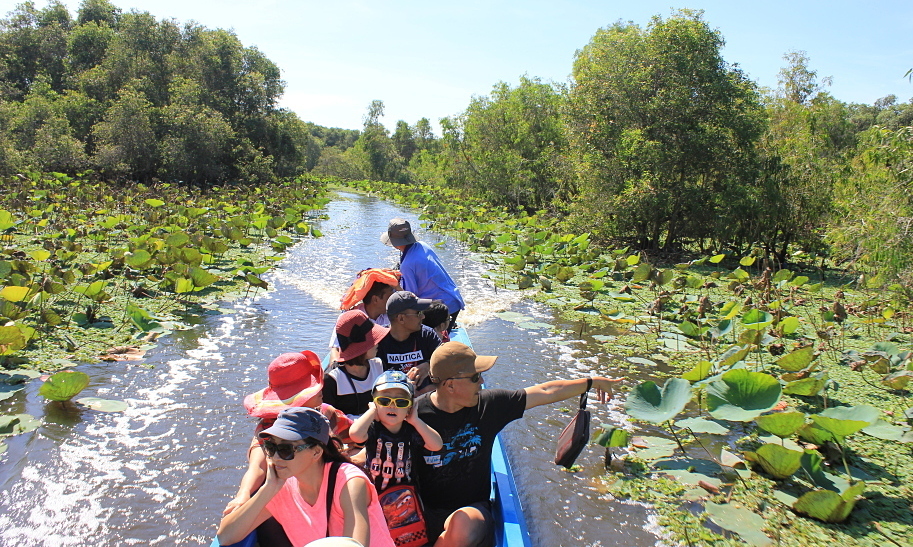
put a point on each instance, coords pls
(559, 390)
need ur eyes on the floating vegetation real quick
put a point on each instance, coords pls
(821, 360)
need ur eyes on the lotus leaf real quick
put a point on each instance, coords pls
(699, 372)
(798, 281)
(534, 325)
(798, 359)
(829, 506)
(716, 259)
(742, 395)
(64, 385)
(702, 425)
(813, 465)
(647, 402)
(779, 462)
(657, 447)
(138, 259)
(788, 325)
(15, 294)
(756, 319)
(692, 330)
(17, 424)
(815, 434)
(806, 386)
(641, 273)
(613, 437)
(641, 361)
(844, 421)
(12, 338)
(782, 275)
(733, 355)
(747, 524)
(898, 380)
(102, 405)
(154, 202)
(880, 430)
(781, 424)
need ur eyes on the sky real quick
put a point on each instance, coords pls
(429, 58)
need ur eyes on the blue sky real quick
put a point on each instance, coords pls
(427, 58)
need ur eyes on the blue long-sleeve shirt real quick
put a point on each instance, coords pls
(424, 275)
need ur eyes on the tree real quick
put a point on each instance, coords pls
(514, 145)
(404, 141)
(664, 132)
(798, 83)
(376, 151)
(126, 143)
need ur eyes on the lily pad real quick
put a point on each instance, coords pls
(641, 361)
(699, 372)
(742, 395)
(102, 405)
(756, 319)
(18, 423)
(657, 447)
(513, 316)
(64, 385)
(813, 465)
(889, 432)
(738, 520)
(678, 345)
(613, 437)
(798, 359)
(647, 402)
(777, 461)
(8, 390)
(829, 506)
(702, 425)
(781, 424)
(806, 386)
(842, 421)
(534, 325)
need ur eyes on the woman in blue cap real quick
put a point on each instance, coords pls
(311, 488)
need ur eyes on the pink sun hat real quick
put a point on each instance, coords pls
(357, 334)
(294, 378)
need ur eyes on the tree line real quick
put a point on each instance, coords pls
(660, 143)
(656, 141)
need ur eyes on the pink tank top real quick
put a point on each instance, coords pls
(304, 523)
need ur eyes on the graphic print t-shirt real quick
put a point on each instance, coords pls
(389, 455)
(459, 474)
(404, 355)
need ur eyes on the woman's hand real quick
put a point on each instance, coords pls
(238, 501)
(273, 482)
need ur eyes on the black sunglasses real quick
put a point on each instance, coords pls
(285, 451)
(474, 378)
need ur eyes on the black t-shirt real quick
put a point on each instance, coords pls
(389, 455)
(460, 473)
(415, 349)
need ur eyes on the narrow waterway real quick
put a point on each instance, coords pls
(161, 472)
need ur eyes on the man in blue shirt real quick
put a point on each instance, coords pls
(423, 273)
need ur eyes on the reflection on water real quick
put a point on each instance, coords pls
(161, 472)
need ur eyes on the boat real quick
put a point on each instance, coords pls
(510, 521)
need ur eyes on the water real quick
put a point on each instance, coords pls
(161, 472)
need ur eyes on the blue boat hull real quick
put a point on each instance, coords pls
(510, 522)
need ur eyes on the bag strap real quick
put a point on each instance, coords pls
(589, 384)
(331, 490)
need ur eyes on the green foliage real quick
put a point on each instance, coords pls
(662, 128)
(137, 98)
(742, 395)
(647, 402)
(64, 385)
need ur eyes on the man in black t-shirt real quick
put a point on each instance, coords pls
(456, 479)
(408, 346)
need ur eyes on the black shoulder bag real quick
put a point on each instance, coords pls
(575, 434)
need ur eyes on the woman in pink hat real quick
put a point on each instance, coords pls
(347, 386)
(295, 380)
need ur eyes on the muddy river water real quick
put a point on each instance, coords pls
(161, 472)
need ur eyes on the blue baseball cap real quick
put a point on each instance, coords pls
(393, 379)
(299, 424)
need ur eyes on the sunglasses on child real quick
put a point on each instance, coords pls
(474, 378)
(285, 451)
(398, 402)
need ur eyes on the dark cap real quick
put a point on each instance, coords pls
(452, 359)
(299, 424)
(398, 233)
(405, 300)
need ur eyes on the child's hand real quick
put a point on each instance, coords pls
(411, 416)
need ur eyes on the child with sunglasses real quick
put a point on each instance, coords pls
(393, 433)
